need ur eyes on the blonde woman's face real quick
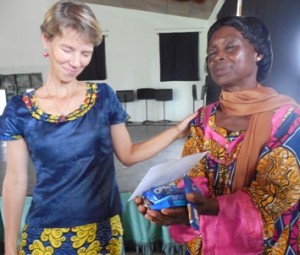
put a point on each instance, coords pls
(69, 54)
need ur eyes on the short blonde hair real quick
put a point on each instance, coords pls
(72, 14)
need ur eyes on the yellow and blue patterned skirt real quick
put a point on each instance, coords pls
(91, 239)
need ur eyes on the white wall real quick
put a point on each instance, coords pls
(20, 46)
(132, 51)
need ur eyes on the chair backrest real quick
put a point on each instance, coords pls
(146, 93)
(164, 94)
(125, 95)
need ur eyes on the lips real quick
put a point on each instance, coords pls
(220, 70)
(72, 71)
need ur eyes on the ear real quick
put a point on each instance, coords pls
(259, 57)
(45, 40)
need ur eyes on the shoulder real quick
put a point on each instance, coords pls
(12, 120)
(14, 105)
(103, 90)
(102, 86)
(285, 126)
(16, 100)
(286, 114)
(205, 112)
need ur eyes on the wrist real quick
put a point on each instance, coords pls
(10, 251)
(213, 208)
(10, 248)
(177, 131)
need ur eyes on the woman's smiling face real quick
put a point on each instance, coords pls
(69, 54)
(232, 60)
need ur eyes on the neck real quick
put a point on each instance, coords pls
(240, 86)
(61, 96)
(61, 90)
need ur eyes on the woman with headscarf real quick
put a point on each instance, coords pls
(250, 178)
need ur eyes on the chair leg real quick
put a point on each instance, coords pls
(164, 112)
(147, 121)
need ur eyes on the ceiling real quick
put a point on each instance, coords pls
(200, 9)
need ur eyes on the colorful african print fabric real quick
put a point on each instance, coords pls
(260, 219)
(91, 239)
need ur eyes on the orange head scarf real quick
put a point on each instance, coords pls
(259, 103)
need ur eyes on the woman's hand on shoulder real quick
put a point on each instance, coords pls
(183, 126)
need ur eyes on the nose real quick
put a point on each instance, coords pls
(75, 60)
(219, 55)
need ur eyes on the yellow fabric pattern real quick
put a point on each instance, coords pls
(30, 101)
(115, 245)
(54, 236)
(277, 187)
(84, 240)
(275, 190)
(38, 248)
(86, 233)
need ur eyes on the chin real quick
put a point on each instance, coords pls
(221, 83)
(68, 80)
(70, 77)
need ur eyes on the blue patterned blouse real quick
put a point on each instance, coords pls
(72, 155)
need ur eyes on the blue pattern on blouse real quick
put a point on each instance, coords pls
(73, 158)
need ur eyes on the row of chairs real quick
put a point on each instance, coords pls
(146, 94)
(17, 84)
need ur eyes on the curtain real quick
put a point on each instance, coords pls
(283, 21)
(179, 56)
(96, 69)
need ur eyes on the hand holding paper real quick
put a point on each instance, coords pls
(166, 173)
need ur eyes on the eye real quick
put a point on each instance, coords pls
(66, 50)
(86, 54)
(211, 53)
(230, 46)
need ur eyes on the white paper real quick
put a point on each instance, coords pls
(166, 173)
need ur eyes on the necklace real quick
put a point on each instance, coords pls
(65, 108)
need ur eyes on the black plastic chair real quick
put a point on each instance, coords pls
(164, 95)
(124, 97)
(146, 94)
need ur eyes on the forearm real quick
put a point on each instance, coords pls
(14, 193)
(129, 153)
(150, 147)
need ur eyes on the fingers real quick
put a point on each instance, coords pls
(156, 217)
(140, 205)
(183, 126)
(174, 212)
(168, 217)
(193, 115)
(187, 120)
(195, 197)
(138, 200)
(205, 205)
(142, 209)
